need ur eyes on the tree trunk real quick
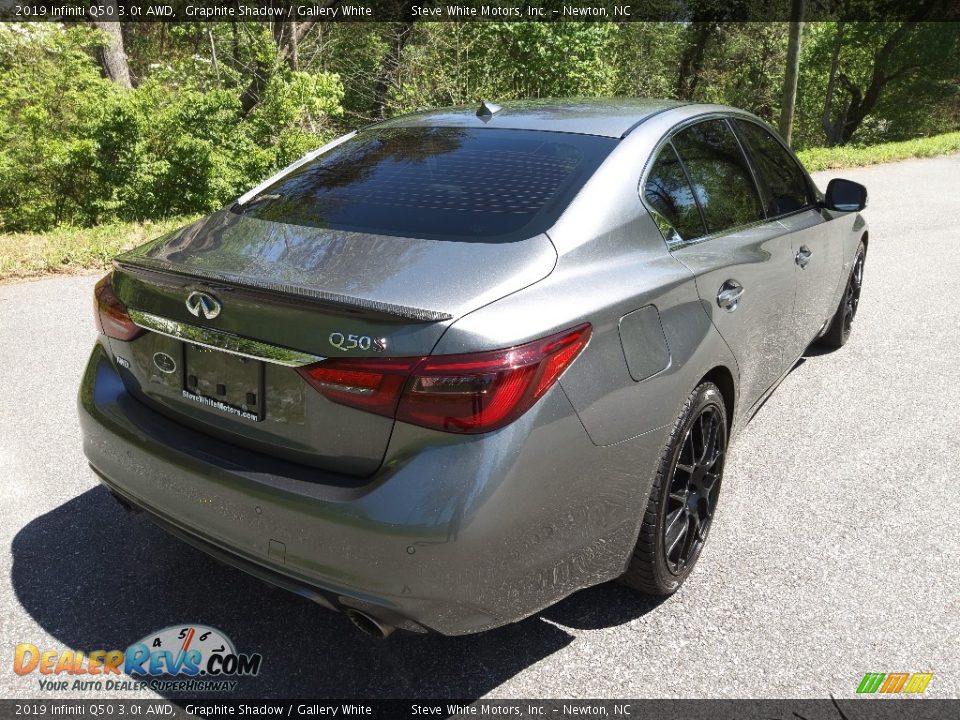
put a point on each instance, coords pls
(113, 59)
(829, 129)
(691, 62)
(287, 36)
(253, 93)
(389, 68)
(792, 73)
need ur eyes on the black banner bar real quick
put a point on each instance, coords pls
(472, 10)
(829, 709)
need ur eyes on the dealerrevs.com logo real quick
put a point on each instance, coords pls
(188, 658)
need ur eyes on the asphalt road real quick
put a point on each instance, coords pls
(836, 550)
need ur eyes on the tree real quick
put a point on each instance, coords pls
(111, 55)
(287, 37)
(910, 47)
(792, 72)
(389, 67)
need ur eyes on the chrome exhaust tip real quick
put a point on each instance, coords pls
(369, 624)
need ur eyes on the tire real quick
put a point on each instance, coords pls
(683, 496)
(841, 325)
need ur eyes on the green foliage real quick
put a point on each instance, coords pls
(295, 113)
(922, 96)
(645, 56)
(52, 100)
(78, 150)
(453, 63)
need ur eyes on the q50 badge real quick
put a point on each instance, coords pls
(346, 342)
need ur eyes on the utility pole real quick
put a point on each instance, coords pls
(789, 103)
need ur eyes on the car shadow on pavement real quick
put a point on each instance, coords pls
(97, 578)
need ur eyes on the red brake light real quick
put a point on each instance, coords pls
(110, 314)
(470, 393)
(366, 383)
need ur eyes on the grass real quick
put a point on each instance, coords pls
(71, 250)
(836, 158)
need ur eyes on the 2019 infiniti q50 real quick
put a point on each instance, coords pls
(450, 368)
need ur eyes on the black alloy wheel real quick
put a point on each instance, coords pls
(841, 325)
(852, 297)
(694, 489)
(683, 498)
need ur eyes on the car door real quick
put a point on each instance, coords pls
(704, 197)
(790, 199)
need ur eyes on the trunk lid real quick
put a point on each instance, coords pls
(295, 294)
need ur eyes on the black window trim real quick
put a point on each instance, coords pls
(667, 139)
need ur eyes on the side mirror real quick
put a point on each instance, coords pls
(845, 196)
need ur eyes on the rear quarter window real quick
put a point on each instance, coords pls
(669, 193)
(437, 183)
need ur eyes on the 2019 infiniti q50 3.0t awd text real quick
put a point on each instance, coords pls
(453, 367)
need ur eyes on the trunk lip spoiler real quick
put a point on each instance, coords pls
(223, 341)
(335, 300)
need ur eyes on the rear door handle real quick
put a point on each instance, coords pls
(729, 295)
(803, 256)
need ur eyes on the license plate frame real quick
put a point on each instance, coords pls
(224, 382)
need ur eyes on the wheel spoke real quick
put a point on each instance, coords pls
(692, 537)
(703, 526)
(712, 499)
(708, 439)
(675, 532)
(714, 440)
(709, 479)
(698, 449)
(714, 459)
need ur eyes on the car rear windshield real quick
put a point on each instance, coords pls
(437, 183)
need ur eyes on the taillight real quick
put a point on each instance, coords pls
(110, 314)
(369, 384)
(470, 393)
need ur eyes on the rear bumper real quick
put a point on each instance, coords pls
(454, 534)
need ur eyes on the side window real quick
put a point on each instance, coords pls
(783, 183)
(669, 193)
(721, 178)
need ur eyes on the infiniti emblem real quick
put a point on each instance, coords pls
(164, 362)
(201, 303)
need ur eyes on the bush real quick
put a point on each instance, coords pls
(52, 100)
(77, 150)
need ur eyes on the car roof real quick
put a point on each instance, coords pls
(609, 117)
